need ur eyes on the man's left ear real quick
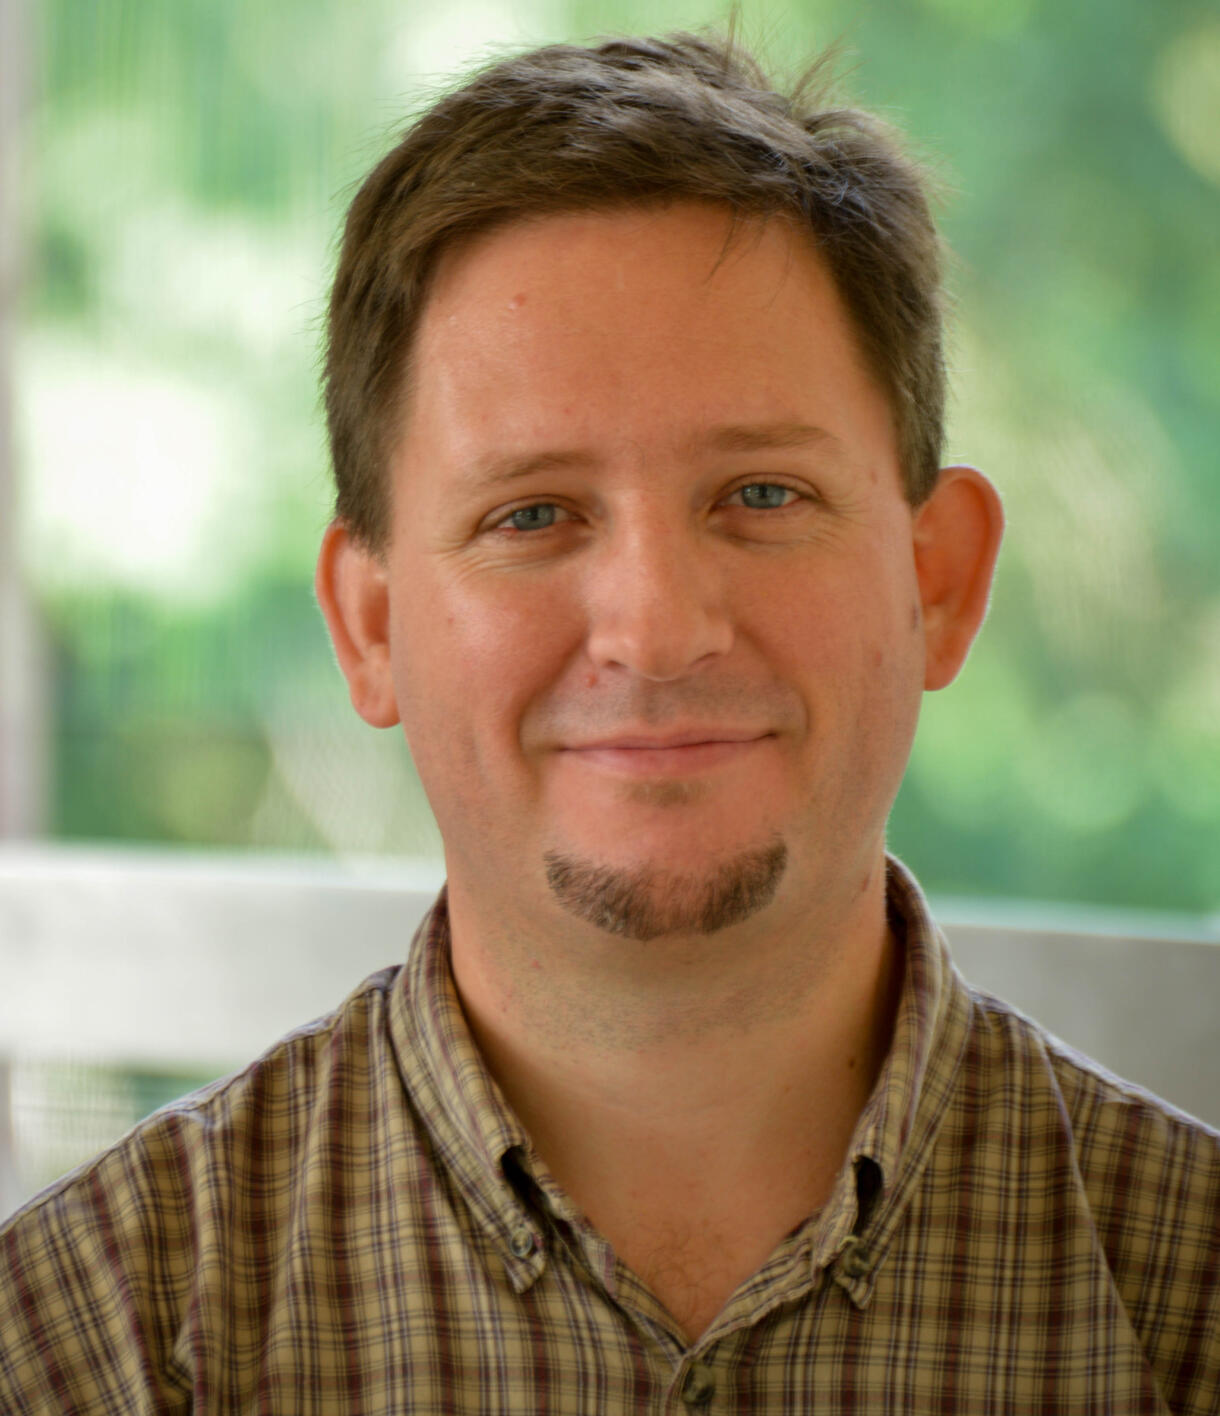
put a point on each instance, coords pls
(957, 533)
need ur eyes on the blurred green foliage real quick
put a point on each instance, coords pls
(67, 1110)
(188, 168)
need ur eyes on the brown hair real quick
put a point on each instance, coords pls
(631, 121)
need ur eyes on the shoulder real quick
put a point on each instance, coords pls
(216, 1133)
(1124, 1136)
(106, 1259)
(1147, 1178)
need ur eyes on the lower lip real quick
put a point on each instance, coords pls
(664, 761)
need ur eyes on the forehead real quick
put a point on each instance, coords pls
(636, 323)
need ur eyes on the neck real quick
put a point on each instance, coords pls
(685, 1070)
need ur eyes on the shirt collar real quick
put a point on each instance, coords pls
(475, 1133)
(910, 1089)
(912, 1096)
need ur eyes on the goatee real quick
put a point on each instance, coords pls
(645, 904)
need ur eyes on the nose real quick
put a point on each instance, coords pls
(656, 602)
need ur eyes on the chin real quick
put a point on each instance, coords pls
(649, 900)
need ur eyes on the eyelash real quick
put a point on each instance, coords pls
(501, 525)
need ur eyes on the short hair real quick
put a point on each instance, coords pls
(631, 122)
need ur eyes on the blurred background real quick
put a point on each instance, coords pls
(174, 179)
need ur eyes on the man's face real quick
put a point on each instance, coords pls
(654, 626)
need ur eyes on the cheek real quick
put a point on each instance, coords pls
(471, 657)
(844, 627)
(863, 649)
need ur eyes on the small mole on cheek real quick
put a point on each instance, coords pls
(851, 1063)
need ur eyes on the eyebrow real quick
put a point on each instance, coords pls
(762, 437)
(733, 437)
(490, 471)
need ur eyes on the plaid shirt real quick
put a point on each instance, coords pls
(358, 1224)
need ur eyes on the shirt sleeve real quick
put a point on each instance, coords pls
(86, 1285)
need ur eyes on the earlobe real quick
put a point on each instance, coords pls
(957, 535)
(353, 592)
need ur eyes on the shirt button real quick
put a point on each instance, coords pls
(699, 1385)
(855, 1262)
(521, 1243)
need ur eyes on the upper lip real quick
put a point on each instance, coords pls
(688, 737)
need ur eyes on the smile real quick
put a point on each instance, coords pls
(665, 759)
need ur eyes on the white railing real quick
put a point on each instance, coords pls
(197, 962)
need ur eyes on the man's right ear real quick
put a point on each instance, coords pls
(352, 587)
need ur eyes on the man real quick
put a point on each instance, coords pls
(635, 390)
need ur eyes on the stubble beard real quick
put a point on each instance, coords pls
(644, 904)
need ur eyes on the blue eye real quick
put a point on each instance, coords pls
(764, 496)
(538, 517)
